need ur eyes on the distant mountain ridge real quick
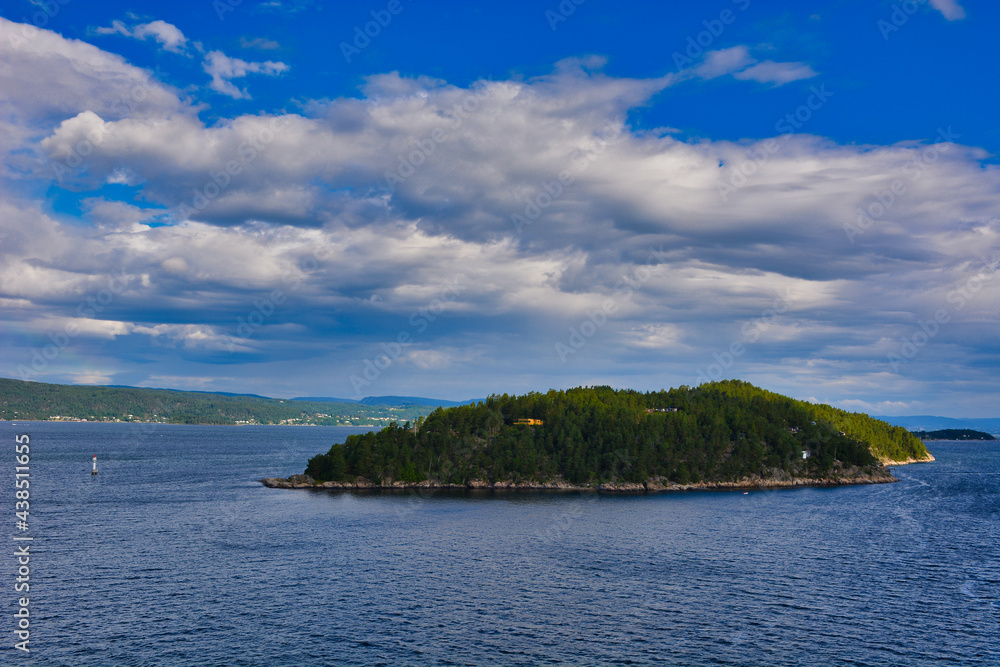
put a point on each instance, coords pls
(416, 400)
(934, 423)
(390, 400)
(953, 434)
(22, 400)
(186, 391)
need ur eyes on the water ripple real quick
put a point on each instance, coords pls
(175, 555)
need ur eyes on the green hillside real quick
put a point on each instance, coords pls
(41, 401)
(716, 432)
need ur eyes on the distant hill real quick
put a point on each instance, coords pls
(717, 433)
(186, 391)
(54, 402)
(323, 399)
(953, 434)
(393, 400)
(932, 423)
(415, 400)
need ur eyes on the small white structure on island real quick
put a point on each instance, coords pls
(805, 454)
(94, 471)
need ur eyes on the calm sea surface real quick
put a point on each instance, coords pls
(175, 555)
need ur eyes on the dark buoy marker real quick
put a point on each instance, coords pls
(94, 471)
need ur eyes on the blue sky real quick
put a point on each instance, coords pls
(408, 197)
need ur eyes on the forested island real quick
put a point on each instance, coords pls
(953, 434)
(727, 434)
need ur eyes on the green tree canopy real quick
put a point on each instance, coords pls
(718, 431)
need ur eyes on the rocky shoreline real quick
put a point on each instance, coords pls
(840, 476)
(928, 459)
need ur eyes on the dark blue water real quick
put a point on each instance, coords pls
(175, 555)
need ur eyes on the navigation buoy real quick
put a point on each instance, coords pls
(94, 471)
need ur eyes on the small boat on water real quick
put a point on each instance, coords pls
(94, 471)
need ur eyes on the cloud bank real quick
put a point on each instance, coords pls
(518, 233)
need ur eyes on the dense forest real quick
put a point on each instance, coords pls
(41, 401)
(953, 434)
(715, 432)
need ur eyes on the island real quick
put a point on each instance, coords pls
(953, 434)
(719, 435)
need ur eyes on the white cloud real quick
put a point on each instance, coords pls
(432, 359)
(116, 28)
(117, 215)
(290, 8)
(223, 69)
(89, 377)
(47, 78)
(82, 326)
(738, 62)
(776, 73)
(259, 43)
(654, 336)
(187, 335)
(949, 8)
(724, 61)
(168, 35)
(177, 265)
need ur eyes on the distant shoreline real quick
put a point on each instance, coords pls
(98, 421)
(957, 434)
